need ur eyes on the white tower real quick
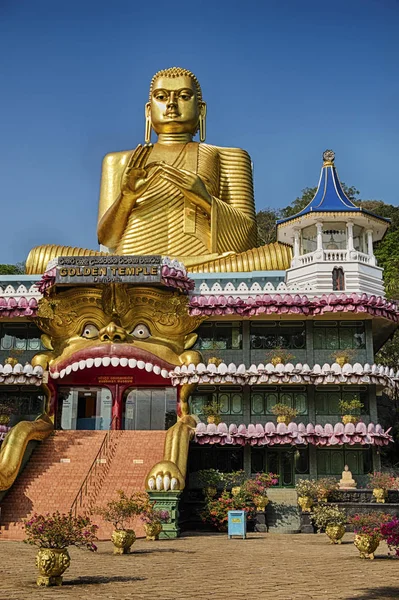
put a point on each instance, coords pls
(332, 240)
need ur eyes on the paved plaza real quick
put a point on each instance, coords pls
(279, 567)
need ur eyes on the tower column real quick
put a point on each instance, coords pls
(349, 235)
(370, 250)
(319, 228)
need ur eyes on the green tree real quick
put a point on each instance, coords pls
(266, 220)
(17, 269)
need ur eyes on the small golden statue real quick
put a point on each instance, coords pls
(178, 198)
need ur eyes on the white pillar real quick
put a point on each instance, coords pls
(349, 235)
(370, 250)
(296, 243)
(319, 227)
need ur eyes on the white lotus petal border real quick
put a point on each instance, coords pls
(294, 434)
(21, 374)
(289, 374)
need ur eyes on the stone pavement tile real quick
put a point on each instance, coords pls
(209, 567)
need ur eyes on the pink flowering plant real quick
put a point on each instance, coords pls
(378, 479)
(369, 523)
(216, 511)
(390, 533)
(60, 531)
(260, 483)
(151, 515)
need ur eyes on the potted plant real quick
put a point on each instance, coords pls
(285, 414)
(306, 490)
(119, 512)
(390, 533)
(257, 487)
(216, 510)
(153, 520)
(5, 413)
(211, 410)
(210, 479)
(350, 409)
(367, 528)
(235, 479)
(215, 360)
(342, 357)
(380, 483)
(325, 488)
(279, 356)
(331, 519)
(53, 533)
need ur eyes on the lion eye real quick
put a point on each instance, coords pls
(141, 332)
(90, 331)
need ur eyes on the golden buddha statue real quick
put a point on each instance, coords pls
(179, 198)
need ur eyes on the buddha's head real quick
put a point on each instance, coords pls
(175, 103)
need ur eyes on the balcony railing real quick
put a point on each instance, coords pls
(335, 256)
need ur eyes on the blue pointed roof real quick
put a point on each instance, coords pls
(330, 197)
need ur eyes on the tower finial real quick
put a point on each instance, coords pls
(328, 158)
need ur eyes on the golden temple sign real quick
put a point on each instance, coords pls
(74, 270)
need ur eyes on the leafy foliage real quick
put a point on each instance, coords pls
(60, 531)
(369, 523)
(328, 514)
(120, 512)
(379, 479)
(18, 269)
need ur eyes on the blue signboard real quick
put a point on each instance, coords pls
(237, 523)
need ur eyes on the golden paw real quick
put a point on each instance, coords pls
(165, 476)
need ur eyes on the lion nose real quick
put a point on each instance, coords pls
(112, 333)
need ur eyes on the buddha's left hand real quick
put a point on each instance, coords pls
(190, 184)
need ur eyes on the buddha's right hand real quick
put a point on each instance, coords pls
(135, 178)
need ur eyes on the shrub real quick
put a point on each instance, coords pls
(210, 477)
(386, 481)
(325, 487)
(284, 410)
(260, 483)
(216, 511)
(60, 531)
(306, 487)
(350, 407)
(390, 533)
(120, 512)
(328, 514)
(369, 523)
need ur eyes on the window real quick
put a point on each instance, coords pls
(332, 462)
(282, 461)
(85, 408)
(338, 279)
(266, 335)
(149, 408)
(219, 336)
(327, 398)
(225, 459)
(339, 335)
(20, 337)
(334, 236)
(264, 398)
(230, 399)
(22, 403)
(309, 239)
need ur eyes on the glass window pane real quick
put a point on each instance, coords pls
(353, 461)
(224, 403)
(257, 407)
(236, 404)
(337, 462)
(301, 404)
(257, 460)
(271, 400)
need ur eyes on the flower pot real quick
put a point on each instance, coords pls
(341, 360)
(380, 494)
(235, 490)
(52, 562)
(210, 491)
(214, 419)
(335, 533)
(260, 502)
(283, 419)
(122, 540)
(366, 544)
(306, 503)
(277, 360)
(350, 419)
(152, 531)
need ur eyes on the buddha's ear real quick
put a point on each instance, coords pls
(202, 121)
(190, 340)
(147, 110)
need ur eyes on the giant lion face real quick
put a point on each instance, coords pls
(89, 327)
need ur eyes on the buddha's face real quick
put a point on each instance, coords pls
(174, 106)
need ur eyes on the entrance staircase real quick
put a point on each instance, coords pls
(77, 470)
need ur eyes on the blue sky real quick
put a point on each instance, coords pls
(284, 79)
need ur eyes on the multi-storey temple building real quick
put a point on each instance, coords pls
(181, 309)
